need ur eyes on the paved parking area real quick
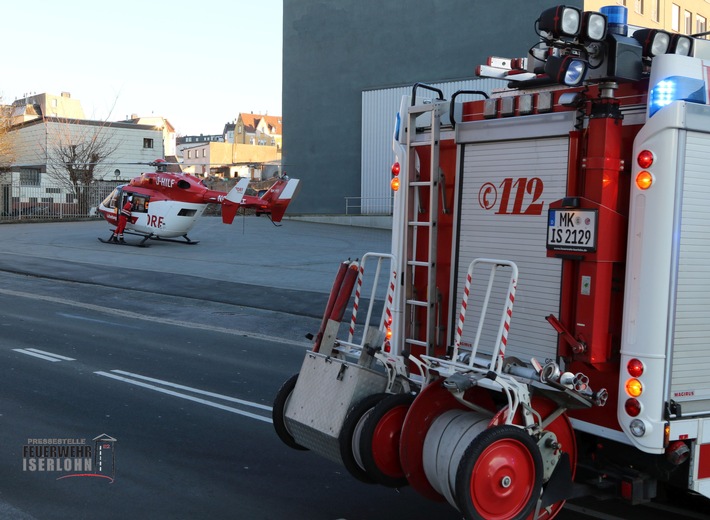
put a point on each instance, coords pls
(289, 268)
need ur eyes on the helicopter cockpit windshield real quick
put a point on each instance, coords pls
(113, 199)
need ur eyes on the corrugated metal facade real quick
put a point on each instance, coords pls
(379, 109)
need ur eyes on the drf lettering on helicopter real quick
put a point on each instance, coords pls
(155, 221)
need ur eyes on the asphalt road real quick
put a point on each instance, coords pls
(188, 405)
(176, 351)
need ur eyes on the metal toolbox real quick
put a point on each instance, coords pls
(325, 390)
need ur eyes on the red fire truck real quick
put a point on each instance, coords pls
(545, 325)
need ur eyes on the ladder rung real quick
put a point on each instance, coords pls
(416, 342)
(417, 303)
(418, 263)
(424, 223)
(420, 183)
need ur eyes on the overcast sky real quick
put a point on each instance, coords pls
(198, 64)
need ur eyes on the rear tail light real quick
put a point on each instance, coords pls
(632, 407)
(635, 368)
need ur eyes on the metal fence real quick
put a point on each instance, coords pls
(51, 201)
(368, 205)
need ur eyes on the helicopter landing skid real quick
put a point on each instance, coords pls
(141, 244)
(186, 241)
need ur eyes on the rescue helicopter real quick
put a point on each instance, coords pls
(165, 205)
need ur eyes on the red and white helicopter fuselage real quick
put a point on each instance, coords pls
(166, 205)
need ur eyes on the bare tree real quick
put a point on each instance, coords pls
(76, 153)
(7, 155)
(7, 149)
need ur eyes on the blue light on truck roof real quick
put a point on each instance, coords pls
(616, 17)
(676, 88)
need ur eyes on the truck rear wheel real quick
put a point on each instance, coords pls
(500, 475)
(379, 442)
(349, 438)
(279, 410)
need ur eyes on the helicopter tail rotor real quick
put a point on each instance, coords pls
(280, 195)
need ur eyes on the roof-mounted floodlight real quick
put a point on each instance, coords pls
(560, 21)
(680, 44)
(566, 70)
(654, 42)
(594, 26)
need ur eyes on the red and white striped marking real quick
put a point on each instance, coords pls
(356, 302)
(462, 313)
(508, 316)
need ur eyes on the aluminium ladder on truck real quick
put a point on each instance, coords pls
(420, 185)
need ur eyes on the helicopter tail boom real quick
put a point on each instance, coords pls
(274, 202)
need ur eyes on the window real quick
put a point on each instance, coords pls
(140, 203)
(30, 176)
(656, 10)
(147, 142)
(675, 17)
(639, 6)
(701, 24)
(688, 22)
(189, 154)
(239, 129)
(204, 152)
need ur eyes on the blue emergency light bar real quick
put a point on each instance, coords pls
(675, 77)
(676, 88)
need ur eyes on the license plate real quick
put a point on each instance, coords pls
(572, 230)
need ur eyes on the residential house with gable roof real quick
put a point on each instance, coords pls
(257, 129)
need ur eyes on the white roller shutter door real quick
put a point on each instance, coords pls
(506, 190)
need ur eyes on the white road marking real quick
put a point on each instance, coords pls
(64, 358)
(42, 354)
(187, 397)
(194, 390)
(105, 322)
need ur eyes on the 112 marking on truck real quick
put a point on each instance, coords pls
(546, 319)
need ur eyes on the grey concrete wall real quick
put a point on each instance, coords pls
(334, 49)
